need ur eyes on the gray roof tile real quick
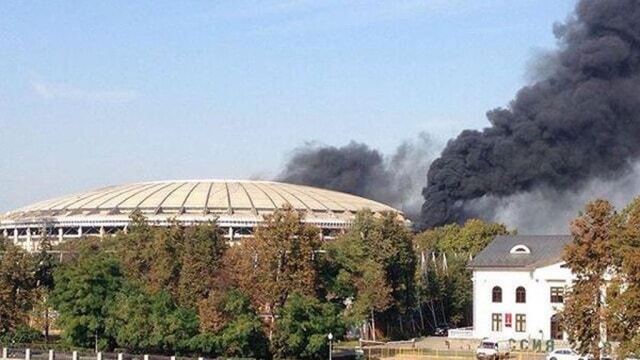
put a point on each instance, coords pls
(545, 250)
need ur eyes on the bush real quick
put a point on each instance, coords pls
(21, 335)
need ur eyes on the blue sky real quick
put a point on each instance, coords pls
(97, 93)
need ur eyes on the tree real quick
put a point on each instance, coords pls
(278, 260)
(444, 282)
(230, 327)
(84, 289)
(372, 265)
(184, 261)
(623, 296)
(303, 325)
(17, 283)
(45, 265)
(151, 323)
(589, 257)
(202, 252)
(468, 239)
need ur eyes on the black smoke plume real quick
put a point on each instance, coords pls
(357, 169)
(579, 123)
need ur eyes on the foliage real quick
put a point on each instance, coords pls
(371, 267)
(17, 283)
(230, 327)
(84, 289)
(183, 261)
(23, 334)
(143, 322)
(469, 238)
(303, 325)
(202, 248)
(182, 289)
(444, 282)
(45, 264)
(623, 296)
(148, 254)
(589, 257)
(278, 260)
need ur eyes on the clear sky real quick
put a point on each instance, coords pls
(98, 93)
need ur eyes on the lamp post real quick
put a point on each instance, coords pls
(330, 337)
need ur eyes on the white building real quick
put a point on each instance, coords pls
(518, 288)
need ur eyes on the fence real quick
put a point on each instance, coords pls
(461, 333)
(41, 354)
(410, 353)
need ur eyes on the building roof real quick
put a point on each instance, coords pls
(197, 200)
(544, 250)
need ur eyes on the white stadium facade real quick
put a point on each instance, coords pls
(236, 206)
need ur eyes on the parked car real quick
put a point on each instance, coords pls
(493, 349)
(569, 354)
(441, 330)
(564, 354)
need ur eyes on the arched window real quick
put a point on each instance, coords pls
(496, 294)
(520, 249)
(521, 295)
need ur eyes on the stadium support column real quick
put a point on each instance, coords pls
(230, 234)
(79, 231)
(60, 234)
(5, 233)
(101, 232)
(15, 235)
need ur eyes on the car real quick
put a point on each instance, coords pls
(441, 330)
(563, 354)
(493, 349)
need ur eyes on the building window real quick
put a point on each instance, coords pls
(496, 294)
(557, 294)
(521, 322)
(496, 322)
(521, 295)
(556, 328)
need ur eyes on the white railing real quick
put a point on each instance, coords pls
(461, 333)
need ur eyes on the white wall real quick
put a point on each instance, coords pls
(538, 307)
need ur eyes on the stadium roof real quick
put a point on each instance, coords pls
(196, 200)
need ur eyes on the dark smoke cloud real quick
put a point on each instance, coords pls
(360, 170)
(577, 124)
(549, 211)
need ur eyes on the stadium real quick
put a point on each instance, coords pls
(237, 206)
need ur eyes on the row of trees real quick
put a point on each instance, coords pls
(278, 293)
(604, 302)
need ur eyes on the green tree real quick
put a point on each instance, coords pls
(230, 327)
(589, 257)
(468, 239)
(84, 289)
(151, 323)
(444, 288)
(17, 284)
(372, 265)
(303, 325)
(45, 264)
